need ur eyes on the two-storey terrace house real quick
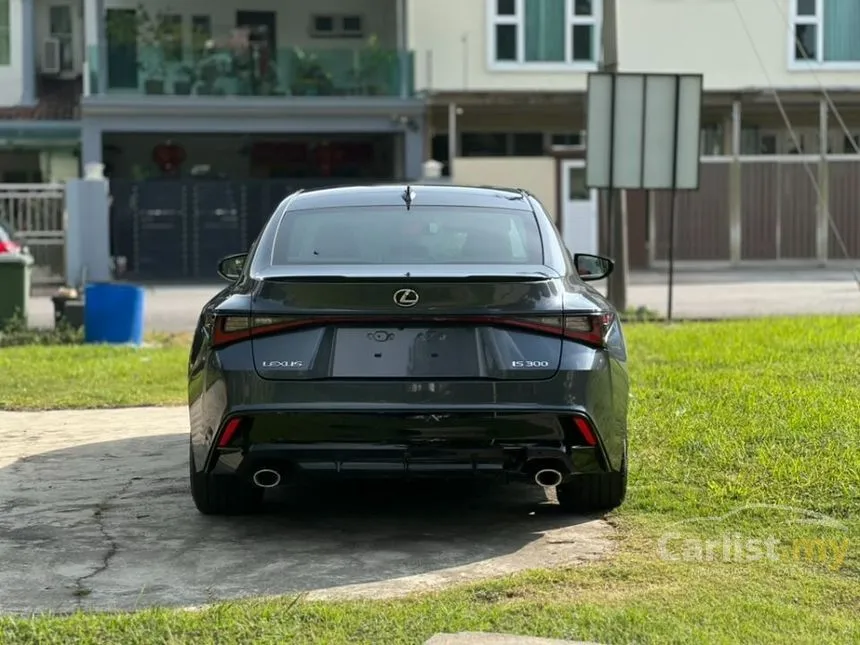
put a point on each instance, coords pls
(204, 115)
(39, 132)
(271, 96)
(508, 78)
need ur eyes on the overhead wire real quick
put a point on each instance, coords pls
(792, 131)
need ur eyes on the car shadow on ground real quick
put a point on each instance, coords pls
(111, 525)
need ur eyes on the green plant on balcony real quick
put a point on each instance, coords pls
(184, 80)
(160, 38)
(376, 67)
(309, 76)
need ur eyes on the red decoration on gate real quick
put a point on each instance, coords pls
(168, 155)
(324, 159)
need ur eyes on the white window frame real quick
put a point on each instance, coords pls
(521, 64)
(819, 63)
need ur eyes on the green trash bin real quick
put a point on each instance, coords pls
(15, 271)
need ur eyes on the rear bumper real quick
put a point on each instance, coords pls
(415, 444)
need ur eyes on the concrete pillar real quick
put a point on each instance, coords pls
(28, 54)
(407, 63)
(87, 231)
(91, 142)
(95, 55)
(822, 231)
(413, 150)
(734, 188)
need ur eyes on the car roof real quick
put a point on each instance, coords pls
(422, 195)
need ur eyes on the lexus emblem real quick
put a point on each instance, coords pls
(406, 297)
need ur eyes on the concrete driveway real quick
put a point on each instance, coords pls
(712, 294)
(95, 514)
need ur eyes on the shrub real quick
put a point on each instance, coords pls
(16, 332)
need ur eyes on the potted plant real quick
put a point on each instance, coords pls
(377, 65)
(185, 80)
(309, 77)
(152, 34)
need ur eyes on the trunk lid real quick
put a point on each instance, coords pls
(415, 322)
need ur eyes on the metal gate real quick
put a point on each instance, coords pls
(177, 229)
(36, 214)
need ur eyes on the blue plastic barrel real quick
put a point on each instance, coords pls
(113, 313)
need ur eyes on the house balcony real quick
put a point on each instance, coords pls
(225, 72)
(297, 51)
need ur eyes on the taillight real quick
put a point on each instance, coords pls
(230, 432)
(589, 329)
(9, 247)
(232, 328)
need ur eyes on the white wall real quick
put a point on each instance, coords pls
(450, 41)
(293, 17)
(534, 174)
(450, 38)
(708, 37)
(11, 85)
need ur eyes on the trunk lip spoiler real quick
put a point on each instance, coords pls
(403, 272)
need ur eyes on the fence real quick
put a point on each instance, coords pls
(764, 210)
(36, 214)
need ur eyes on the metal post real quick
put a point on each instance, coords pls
(674, 198)
(452, 138)
(616, 210)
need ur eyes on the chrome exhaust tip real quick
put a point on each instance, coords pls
(267, 478)
(548, 478)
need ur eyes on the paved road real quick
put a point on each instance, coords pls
(697, 295)
(95, 514)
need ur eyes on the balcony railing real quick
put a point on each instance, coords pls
(291, 71)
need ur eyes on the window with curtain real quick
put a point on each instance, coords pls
(826, 31)
(5, 45)
(544, 31)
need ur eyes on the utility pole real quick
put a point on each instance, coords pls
(616, 200)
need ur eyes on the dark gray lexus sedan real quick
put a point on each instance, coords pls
(409, 331)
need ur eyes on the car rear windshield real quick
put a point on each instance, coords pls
(394, 235)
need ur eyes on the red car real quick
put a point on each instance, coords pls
(7, 244)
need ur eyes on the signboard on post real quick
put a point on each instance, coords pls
(643, 132)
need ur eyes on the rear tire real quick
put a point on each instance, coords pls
(593, 492)
(222, 494)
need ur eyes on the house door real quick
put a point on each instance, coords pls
(122, 33)
(260, 21)
(579, 212)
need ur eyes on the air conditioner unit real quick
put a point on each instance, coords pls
(51, 56)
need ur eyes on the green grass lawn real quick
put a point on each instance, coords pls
(46, 377)
(725, 417)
